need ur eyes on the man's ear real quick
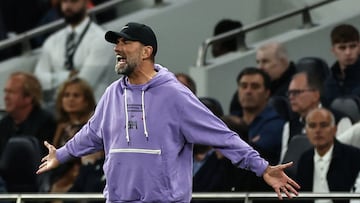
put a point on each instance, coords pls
(147, 51)
(318, 95)
(332, 49)
(268, 92)
(28, 99)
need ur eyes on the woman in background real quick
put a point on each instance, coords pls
(75, 104)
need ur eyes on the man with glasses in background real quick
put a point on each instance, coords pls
(304, 95)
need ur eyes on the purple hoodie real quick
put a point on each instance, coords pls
(147, 132)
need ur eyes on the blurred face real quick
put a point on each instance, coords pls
(252, 92)
(183, 80)
(302, 98)
(320, 130)
(128, 56)
(218, 49)
(15, 100)
(267, 61)
(74, 11)
(73, 99)
(346, 53)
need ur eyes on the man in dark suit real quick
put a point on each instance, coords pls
(330, 166)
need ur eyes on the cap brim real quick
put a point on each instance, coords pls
(113, 37)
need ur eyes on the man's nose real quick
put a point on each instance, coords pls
(118, 47)
(348, 50)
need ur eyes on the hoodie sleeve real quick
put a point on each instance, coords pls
(200, 126)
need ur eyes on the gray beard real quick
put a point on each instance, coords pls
(125, 71)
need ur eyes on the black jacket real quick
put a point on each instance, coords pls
(343, 169)
(335, 86)
(39, 123)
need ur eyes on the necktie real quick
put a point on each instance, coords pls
(70, 50)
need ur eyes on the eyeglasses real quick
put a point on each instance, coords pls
(297, 92)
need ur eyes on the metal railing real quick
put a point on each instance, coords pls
(239, 33)
(24, 38)
(247, 197)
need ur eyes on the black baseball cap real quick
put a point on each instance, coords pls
(134, 32)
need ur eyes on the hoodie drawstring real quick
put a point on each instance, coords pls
(127, 116)
(143, 114)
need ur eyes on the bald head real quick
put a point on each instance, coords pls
(273, 59)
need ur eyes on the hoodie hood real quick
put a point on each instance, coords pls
(163, 75)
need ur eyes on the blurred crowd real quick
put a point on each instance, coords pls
(304, 111)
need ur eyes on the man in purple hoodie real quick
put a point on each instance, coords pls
(147, 123)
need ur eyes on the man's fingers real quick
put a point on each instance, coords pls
(285, 190)
(44, 158)
(278, 192)
(42, 165)
(291, 189)
(48, 145)
(287, 165)
(42, 168)
(293, 183)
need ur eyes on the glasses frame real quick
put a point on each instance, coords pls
(297, 92)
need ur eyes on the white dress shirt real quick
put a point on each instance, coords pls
(321, 167)
(94, 58)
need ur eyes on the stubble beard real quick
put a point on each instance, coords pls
(76, 17)
(125, 69)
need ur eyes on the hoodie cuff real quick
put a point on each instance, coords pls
(63, 155)
(259, 166)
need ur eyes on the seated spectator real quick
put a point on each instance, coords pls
(75, 104)
(229, 45)
(76, 50)
(265, 124)
(329, 166)
(304, 93)
(344, 79)
(273, 59)
(186, 80)
(24, 115)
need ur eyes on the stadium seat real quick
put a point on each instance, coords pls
(314, 65)
(296, 147)
(349, 105)
(19, 162)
